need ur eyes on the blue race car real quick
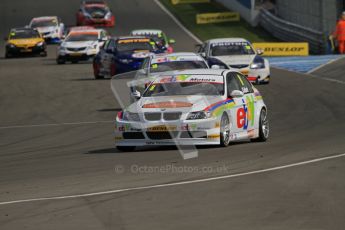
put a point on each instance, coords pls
(122, 54)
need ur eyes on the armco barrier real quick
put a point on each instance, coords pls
(283, 48)
(290, 32)
(217, 17)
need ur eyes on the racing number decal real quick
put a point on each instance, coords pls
(246, 113)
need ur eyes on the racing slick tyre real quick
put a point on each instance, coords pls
(224, 131)
(263, 127)
(125, 148)
(60, 61)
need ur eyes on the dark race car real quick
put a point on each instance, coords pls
(122, 54)
(95, 13)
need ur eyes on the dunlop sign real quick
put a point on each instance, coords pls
(217, 17)
(283, 48)
(174, 2)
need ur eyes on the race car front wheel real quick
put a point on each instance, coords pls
(264, 128)
(224, 131)
(125, 148)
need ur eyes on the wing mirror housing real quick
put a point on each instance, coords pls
(236, 93)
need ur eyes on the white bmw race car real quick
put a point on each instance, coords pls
(193, 107)
(238, 54)
(50, 27)
(81, 45)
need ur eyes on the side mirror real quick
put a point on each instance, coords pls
(172, 41)
(236, 93)
(203, 54)
(136, 95)
(259, 51)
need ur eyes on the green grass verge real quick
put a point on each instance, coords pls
(186, 14)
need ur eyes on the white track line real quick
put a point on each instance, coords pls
(56, 124)
(175, 183)
(177, 21)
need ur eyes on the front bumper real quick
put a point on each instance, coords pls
(76, 56)
(17, 50)
(126, 67)
(196, 132)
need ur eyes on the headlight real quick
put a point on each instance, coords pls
(257, 65)
(11, 45)
(125, 61)
(40, 44)
(198, 115)
(128, 116)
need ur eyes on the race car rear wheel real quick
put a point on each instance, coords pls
(125, 148)
(264, 128)
(224, 130)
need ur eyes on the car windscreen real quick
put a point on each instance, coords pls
(131, 46)
(231, 48)
(43, 23)
(79, 37)
(177, 65)
(96, 9)
(184, 88)
(21, 34)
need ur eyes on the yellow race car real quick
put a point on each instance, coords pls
(22, 41)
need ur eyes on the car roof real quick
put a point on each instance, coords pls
(146, 31)
(75, 28)
(23, 28)
(219, 40)
(85, 31)
(214, 72)
(177, 54)
(45, 18)
(131, 37)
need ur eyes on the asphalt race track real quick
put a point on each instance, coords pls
(56, 141)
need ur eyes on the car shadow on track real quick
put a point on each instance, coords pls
(109, 110)
(157, 148)
(89, 79)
